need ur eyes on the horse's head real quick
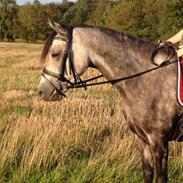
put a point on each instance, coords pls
(66, 59)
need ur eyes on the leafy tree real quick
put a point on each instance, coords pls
(36, 2)
(8, 16)
(152, 15)
(98, 16)
(127, 16)
(57, 11)
(146, 18)
(80, 12)
(28, 17)
(33, 19)
(172, 18)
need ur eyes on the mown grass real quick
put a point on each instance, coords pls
(82, 139)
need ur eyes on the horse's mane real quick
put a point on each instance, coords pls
(123, 36)
(114, 33)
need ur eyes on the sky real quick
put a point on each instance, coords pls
(42, 1)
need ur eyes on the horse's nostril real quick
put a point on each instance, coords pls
(40, 93)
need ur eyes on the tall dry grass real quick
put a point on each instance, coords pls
(83, 138)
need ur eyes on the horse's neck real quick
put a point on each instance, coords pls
(116, 55)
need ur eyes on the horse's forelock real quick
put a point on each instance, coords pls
(47, 45)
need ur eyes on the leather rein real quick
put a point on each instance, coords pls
(78, 82)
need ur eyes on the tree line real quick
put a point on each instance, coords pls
(153, 19)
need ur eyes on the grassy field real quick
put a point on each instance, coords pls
(82, 139)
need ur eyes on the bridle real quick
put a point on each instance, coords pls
(67, 55)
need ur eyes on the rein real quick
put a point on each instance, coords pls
(160, 45)
(114, 81)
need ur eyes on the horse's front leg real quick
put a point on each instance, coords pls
(147, 160)
(160, 155)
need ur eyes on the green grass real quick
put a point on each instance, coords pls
(77, 170)
(14, 112)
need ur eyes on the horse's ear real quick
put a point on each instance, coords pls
(60, 29)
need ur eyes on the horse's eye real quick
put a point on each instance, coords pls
(55, 55)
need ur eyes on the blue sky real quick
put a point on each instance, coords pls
(42, 1)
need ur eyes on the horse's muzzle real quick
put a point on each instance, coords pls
(55, 96)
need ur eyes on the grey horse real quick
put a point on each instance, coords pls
(149, 101)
